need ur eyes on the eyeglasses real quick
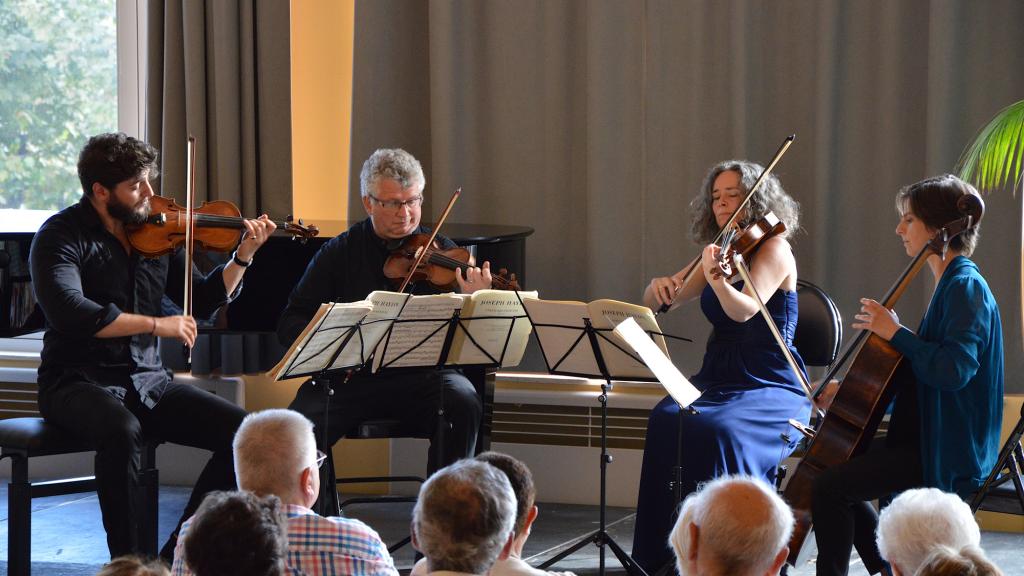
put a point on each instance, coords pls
(395, 205)
(320, 457)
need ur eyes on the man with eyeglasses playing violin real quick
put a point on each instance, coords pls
(346, 269)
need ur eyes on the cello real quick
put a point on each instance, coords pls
(866, 390)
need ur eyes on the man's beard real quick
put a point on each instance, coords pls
(128, 214)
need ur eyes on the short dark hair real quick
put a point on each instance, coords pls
(520, 478)
(113, 158)
(464, 516)
(933, 200)
(237, 533)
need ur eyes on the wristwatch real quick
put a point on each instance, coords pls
(239, 261)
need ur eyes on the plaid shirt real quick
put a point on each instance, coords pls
(319, 546)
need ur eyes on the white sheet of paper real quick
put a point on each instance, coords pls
(678, 387)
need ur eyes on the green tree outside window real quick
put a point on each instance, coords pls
(58, 86)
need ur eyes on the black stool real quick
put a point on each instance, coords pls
(377, 430)
(23, 438)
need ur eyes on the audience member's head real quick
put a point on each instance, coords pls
(521, 479)
(735, 526)
(237, 533)
(133, 566)
(968, 561)
(917, 521)
(464, 518)
(275, 453)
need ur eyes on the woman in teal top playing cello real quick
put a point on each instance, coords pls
(944, 429)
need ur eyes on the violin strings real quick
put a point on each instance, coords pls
(438, 258)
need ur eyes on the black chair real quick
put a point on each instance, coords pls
(818, 336)
(24, 438)
(389, 428)
(819, 330)
(994, 495)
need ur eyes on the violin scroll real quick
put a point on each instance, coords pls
(971, 205)
(298, 229)
(747, 241)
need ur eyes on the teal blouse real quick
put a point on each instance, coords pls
(957, 360)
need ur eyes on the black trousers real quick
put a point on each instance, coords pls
(841, 510)
(412, 397)
(184, 415)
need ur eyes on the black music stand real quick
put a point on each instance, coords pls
(599, 537)
(452, 325)
(325, 356)
(299, 365)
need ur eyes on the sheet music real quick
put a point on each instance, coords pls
(677, 386)
(314, 348)
(605, 314)
(407, 338)
(556, 341)
(491, 333)
(386, 307)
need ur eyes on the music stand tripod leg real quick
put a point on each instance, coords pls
(600, 537)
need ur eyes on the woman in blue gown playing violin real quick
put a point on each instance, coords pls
(749, 391)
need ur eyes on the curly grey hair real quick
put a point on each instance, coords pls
(771, 197)
(391, 164)
(463, 517)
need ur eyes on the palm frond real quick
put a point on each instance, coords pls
(997, 154)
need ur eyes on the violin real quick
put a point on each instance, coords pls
(438, 265)
(218, 227)
(746, 242)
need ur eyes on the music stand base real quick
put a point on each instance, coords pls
(599, 538)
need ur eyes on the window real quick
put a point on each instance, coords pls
(63, 71)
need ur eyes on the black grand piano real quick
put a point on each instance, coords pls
(242, 339)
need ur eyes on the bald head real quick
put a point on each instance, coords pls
(732, 525)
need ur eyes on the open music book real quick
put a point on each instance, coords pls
(490, 318)
(559, 326)
(395, 330)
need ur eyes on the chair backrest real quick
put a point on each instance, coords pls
(819, 330)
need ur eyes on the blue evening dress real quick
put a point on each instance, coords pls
(749, 393)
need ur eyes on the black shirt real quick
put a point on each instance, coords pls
(84, 279)
(345, 269)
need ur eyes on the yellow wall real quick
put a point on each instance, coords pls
(322, 44)
(321, 47)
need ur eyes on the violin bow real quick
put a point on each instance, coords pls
(430, 242)
(190, 191)
(741, 267)
(786, 143)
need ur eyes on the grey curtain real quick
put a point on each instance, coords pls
(219, 70)
(594, 122)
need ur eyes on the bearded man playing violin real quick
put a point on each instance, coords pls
(101, 377)
(346, 269)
